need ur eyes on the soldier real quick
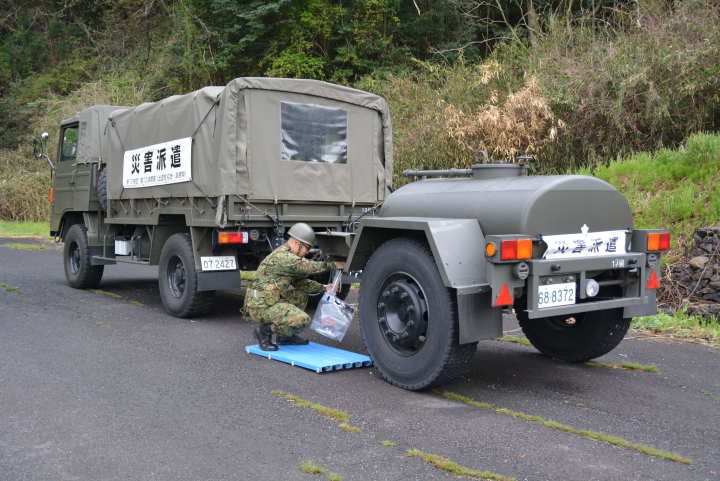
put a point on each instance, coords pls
(278, 296)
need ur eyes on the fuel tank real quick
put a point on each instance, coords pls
(556, 204)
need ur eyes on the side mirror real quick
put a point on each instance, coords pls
(39, 150)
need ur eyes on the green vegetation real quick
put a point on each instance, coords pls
(597, 436)
(680, 325)
(388, 444)
(334, 414)
(24, 229)
(630, 366)
(310, 467)
(27, 247)
(9, 288)
(452, 467)
(107, 293)
(575, 83)
(349, 428)
(674, 189)
(515, 340)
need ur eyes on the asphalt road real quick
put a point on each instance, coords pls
(94, 387)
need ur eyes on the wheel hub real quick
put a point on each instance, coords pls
(402, 314)
(176, 276)
(74, 258)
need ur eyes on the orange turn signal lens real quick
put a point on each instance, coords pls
(51, 197)
(490, 249)
(524, 248)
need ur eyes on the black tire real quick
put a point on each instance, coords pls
(101, 189)
(576, 338)
(178, 279)
(79, 273)
(409, 318)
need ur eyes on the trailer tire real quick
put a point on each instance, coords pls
(101, 189)
(590, 334)
(178, 279)
(408, 318)
(79, 272)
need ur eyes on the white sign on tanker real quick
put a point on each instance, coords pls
(159, 164)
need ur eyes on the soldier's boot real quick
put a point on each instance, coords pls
(293, 340)
(264, 337)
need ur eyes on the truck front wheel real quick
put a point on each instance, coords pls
(409, 318)
(178, 279)
(79, 272)
(576, 338)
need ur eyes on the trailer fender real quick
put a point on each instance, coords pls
(457, 248)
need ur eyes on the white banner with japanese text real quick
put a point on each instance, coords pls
(591, 244)
(165, 163)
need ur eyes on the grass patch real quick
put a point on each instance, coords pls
(24, 229)
(334, 414)
(597, 436)
(514, 340)
(27, 247)
(630, 366)
(334, 477)
(106, 293)
(136, 303)
(671, 189)
(311, 467)
(680, 325)
(452, 467)
(388, 444)
(349, 428)
(9, 288)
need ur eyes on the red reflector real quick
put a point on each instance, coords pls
(508, 250)
(504, 298)
(232, 237)
(653, 282)
(664, 241)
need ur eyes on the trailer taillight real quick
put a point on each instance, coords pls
(232, 237)
(658, 241)
(515, 249)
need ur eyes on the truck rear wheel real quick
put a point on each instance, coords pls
(79, 272)
(178, 279)
(409, 318)
(576, 338)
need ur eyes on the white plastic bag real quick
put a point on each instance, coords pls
(332, 317)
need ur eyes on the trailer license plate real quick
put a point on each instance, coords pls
(552, 295)
(218, 263)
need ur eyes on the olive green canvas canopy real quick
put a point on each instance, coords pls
(264, 138)
(91, 123)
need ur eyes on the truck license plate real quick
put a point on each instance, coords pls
(552, 295)
(218, 263)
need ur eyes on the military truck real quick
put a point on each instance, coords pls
(205, 184)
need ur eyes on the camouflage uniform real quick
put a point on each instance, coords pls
(279, 294)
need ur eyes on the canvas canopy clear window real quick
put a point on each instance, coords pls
(313, 133)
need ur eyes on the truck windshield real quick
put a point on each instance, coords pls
(313, 133)
(69, 143)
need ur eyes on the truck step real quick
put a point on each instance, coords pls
(120, 259)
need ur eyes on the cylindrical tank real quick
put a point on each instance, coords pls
(558, 204)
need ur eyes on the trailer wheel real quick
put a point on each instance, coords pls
(576, 338)
(178, 279)
(409, 318)
(79, 272)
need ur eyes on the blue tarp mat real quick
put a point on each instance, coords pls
(316, 357)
